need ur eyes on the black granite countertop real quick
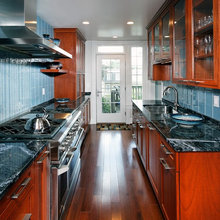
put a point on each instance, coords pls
(15, 157)
(204, 137)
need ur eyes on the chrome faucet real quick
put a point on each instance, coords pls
(176, 95)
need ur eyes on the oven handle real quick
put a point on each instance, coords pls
(77, 142)
(65, 168)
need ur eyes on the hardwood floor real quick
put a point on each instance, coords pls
(112, 184)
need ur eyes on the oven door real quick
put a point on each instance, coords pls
(60, 185)
(64, 177)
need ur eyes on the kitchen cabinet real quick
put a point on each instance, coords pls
(159, 44)
(204, 44)
(29, 197)
(42, 185)
(18, 203)
(186, 183)
(140, 134)
(194, 42)
(153, 171)
(179, 41)
(168, 180)
(135, 120)
(86, 116)
(72, 84)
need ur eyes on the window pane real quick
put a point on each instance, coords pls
(111, 49)
(137, 71)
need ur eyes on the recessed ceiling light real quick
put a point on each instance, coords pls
(130, 22)
(85, 22)
(115, 37)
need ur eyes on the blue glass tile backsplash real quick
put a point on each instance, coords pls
(198, 99)
(21, 83)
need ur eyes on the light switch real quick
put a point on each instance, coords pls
(216, 101)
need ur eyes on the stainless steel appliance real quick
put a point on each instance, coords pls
(18, 38)
(65, 137)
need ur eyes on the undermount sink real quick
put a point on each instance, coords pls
(156, 109)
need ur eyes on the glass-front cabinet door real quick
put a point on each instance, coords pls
(203, 42)
(165, 44)
(157, 42)
(179, 53)
(150, 55)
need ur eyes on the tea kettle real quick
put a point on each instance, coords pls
(38, 124)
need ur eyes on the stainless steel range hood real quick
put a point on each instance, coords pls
(18, 38)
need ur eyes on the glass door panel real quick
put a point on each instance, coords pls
(157, 42)
(111, 88)
(203, 39)
(166, 36)
(150, 55)
(179, 41)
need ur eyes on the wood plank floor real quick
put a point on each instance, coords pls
(112, 184)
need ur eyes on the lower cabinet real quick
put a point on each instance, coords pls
(29, 197)
(42, 185)
(86, 115)
(18, 203)
(153, 170)
(168, 181)
(186, 184)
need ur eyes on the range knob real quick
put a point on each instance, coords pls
(62, 148)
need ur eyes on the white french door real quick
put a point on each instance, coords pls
(110, 88)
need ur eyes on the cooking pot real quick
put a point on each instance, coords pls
(38, 124)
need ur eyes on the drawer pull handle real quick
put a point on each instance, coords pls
(43, 157)
(22, 187)
(165, 165)
(133, 136)
(166, 151)
(27, 216)
(150, 128)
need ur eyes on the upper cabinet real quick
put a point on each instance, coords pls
(189, 36)
(159, 44)
(179, 41)
(203, 35)
(166, 36)
(72, 84)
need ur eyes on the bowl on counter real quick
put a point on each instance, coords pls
(186, 120)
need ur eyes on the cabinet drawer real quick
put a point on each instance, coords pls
(16, 195)
(168, 154)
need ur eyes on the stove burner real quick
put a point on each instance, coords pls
(15, 129)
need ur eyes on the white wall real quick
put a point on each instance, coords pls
(90, 67)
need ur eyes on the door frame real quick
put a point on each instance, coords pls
(122, 76)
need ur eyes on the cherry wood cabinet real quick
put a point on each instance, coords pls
(194, 41)
(86, 116)
(42, 185)
(72, 84)
(159, 48)
(169, 176)
(153, 171)
(29, 197)
(18, 203)
(179, 41)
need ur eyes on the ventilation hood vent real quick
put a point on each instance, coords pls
(18, 38)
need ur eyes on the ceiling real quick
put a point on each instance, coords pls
(107, 18)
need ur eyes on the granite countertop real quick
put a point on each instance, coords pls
(204, 137)
(15, 157)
